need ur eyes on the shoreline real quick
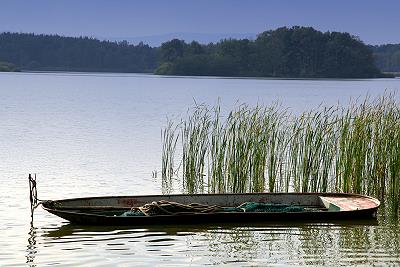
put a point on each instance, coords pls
(149, 74)
(395, 74)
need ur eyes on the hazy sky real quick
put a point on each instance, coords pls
(374, 22)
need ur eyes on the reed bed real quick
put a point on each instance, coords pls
(169, 137)
(266, 148)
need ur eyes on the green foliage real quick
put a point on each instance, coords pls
(172, 50)
(165, 68)
(284, 52)
(53, 52)
(331, 149)
(195, 144)
(6, 66)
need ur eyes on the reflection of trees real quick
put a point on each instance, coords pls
(303, 243)
(232, 242)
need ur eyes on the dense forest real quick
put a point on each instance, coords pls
(284, 52)
(387, 57)
(53, 52)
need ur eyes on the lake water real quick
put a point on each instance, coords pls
(99, 134)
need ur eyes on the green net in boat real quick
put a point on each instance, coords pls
(264, 207)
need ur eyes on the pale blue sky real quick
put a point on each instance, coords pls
(374, 22)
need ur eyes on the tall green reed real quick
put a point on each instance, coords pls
(169, 139)
(195, 143)
(355, 148)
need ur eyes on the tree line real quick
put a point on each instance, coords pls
(387, 57)
(299, 52)
(285, 52)
(53, 52)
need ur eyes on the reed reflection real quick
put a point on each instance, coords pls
(274, 242)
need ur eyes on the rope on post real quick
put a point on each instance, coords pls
(33, 193)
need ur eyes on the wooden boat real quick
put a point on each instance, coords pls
(317, 207)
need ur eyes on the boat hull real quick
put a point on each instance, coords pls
(333, 207)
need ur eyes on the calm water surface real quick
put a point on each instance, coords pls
(99, 134)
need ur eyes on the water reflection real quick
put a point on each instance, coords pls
(31, 250)
(69, 229)
(110, 128)
(304, 243)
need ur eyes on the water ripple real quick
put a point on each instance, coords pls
(98, 134)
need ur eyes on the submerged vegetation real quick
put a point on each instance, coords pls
(266, 148)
